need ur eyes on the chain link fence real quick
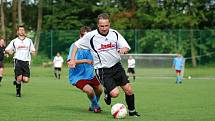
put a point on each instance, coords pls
(198, 43)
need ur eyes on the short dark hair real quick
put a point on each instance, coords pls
(83, 30)
(20, 26)
(103, 16)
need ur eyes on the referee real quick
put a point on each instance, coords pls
(106, 45)
(22, 47)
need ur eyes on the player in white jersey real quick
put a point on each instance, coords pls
(131, 67)
(106, 45)
(58, 63)
(22, 47)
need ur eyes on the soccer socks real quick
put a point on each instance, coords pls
(18, 89)
(134, 78)
(178, 79)
(55, 75)
(94, 102)
(130, 102)
(131, 106)
(58, 76)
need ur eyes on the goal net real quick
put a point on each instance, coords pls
(151, 65)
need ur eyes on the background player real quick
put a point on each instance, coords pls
(178, 64)
(22, 47)
(58, 63)
(2, 52)
(82, 75)
(131, 67)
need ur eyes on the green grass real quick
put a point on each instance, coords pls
(157, 99)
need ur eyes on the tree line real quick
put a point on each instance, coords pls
(54, 15)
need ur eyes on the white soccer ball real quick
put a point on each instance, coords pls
(119, 111)
(189, 77)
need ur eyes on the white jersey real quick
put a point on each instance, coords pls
(103, 48)
(22, 48)
(131, 63)
(58, 61)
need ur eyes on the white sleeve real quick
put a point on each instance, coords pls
(54, 59)
(32, 49)
(121, 42)
(62, 59)
(10, 47)
(84, 42)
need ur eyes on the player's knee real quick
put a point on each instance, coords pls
(114, 93)
(19, 78)
(128, 90)
(25, 80)
(87, 89)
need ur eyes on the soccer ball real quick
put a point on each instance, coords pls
(189, 77)
(118, 111)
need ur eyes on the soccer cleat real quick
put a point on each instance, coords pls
(90, 109)
(107, 99)
(18, 94)
(97, 110)
(135, 114)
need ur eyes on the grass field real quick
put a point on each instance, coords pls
(157, 99)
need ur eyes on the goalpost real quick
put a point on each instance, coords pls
(152, 65)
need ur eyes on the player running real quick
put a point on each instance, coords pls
(22, 47)
(106, 45)
(82, 75)
(2, 52)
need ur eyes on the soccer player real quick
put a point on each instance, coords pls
(131, 67)
(178, 64)
(106, 45)
(2, 52)
(57, 62)
(82, 75)
(22, 47)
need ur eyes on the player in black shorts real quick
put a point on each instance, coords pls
(131, 67)
(2, 51)
(106, 45)
(22, 47)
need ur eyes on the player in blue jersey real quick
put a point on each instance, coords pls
(82, 75)
(178, 64)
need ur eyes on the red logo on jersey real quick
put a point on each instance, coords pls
(22, 46)
(107, 46)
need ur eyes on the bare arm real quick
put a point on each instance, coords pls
(84, 61)
(123, 50)
(72, 62)
(33, 53)
(9, 51)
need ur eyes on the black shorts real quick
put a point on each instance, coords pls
(57, 69)
(21, 68)
(131, 70)
(1, 64)
(112, 77)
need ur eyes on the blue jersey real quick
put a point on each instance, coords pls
(82, 71)
(178, 62)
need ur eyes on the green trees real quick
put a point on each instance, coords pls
(156, 26)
